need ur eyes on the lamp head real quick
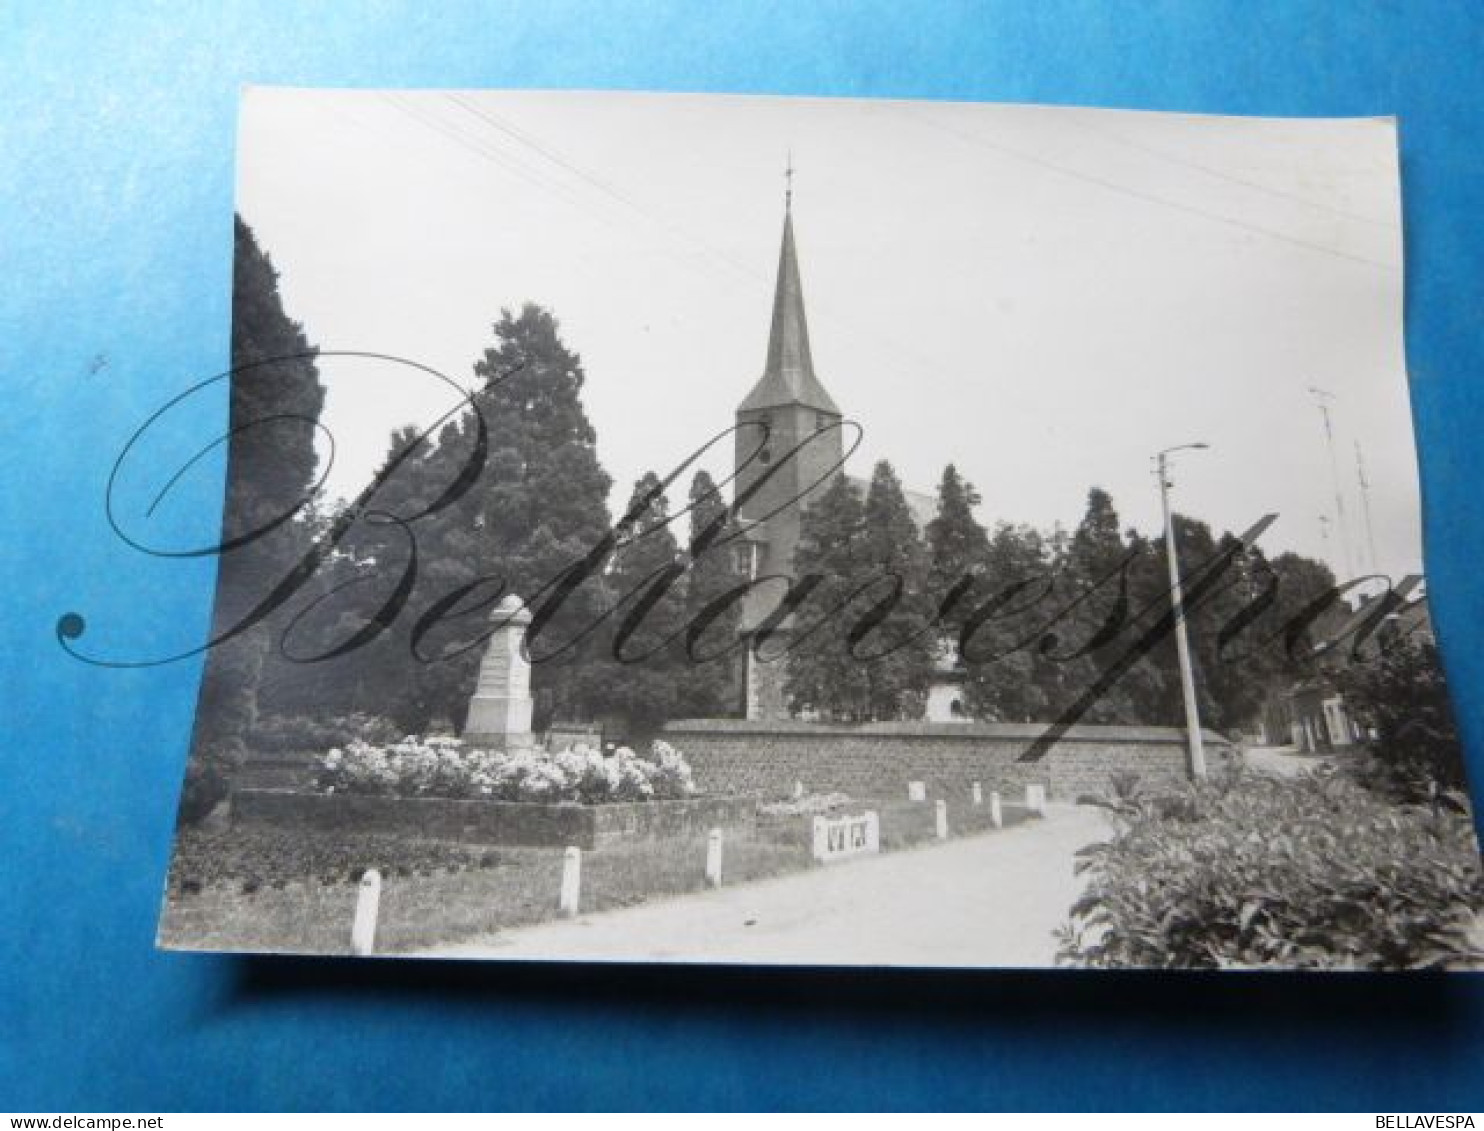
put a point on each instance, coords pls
(1198, 446)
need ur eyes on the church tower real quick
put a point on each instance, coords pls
(802, 451)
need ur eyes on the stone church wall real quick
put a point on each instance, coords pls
(878, 759)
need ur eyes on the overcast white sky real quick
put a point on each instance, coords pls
(1043, 296)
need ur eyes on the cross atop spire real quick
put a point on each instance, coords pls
(788, 377)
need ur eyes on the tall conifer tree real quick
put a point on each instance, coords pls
(899, 653)
(822, 678)
(646, 648)
(958, 553)
(711, 687)
(538, 508)
(1096, 609)
(545, 508)
(276, 397)
(1007, 680)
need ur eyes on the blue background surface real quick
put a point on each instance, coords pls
(116, 150)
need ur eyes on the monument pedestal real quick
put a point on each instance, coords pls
(500, 710)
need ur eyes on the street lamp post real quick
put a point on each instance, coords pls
(1182, 642)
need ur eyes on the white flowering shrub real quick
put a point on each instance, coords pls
(672, 776)
(443, 767)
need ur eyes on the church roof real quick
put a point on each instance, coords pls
(924, 507)
(788, 378)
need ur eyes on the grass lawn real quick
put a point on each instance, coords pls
(243, 888)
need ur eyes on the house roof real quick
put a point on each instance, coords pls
(924, 507)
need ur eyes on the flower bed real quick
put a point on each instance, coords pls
(440, 789)
(444, 767)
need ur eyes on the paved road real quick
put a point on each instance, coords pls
(1284, 761)
(989, 900)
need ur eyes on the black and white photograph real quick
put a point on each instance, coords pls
(818, 532)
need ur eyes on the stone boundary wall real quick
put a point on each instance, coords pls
(765, 759)
(505, 823)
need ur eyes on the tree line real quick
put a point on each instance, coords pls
(1022, 618)
(1023, 622)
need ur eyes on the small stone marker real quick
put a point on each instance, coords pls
(368, 906)
(571, 882)
(978, 794)
(1035, 799)
(996, 814)
(713, 858)
(798, 790)
(940, 815)
(837, 837)
(916, 791)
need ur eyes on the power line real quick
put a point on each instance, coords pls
(681, 235)
(1150, 198)
(1219, 174)
(471, 144)
(499, 153)
(520, 137)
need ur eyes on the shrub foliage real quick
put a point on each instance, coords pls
(1310, 872)
(1402, 697)
(298, 733)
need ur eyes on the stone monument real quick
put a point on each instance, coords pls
(500, 710)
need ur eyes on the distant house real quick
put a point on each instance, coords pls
(1311, 714)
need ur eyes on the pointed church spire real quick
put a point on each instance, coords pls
(788, 377)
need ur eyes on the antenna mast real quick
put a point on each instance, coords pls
(1365, 503)
(1322, 398)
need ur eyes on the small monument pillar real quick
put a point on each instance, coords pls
(500, 710)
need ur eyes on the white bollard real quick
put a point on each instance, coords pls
(978, 794)
(821, 838)
(571, 897)
(713, 858)
(996, 814)
(940, 815)
(368, 906)
(1035, 799)
(798, 790)
(873, 831)
(916, 791)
